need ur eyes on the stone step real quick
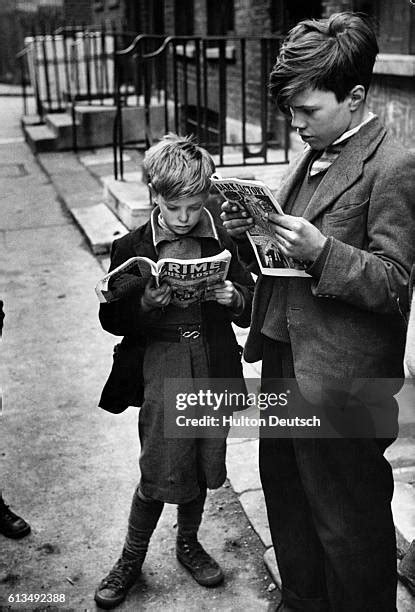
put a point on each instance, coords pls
(61, 126)
(40, 138)
(96, 124)
(31, 120)
(128, 199)
(100, 226)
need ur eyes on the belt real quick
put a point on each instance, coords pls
(181, 333)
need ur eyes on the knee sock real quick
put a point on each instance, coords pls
(189, 515)
(144, 515)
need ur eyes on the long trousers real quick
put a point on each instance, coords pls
(329, 510)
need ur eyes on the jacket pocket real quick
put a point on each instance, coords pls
(346, 212)
(348, 224)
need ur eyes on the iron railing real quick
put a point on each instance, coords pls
(212, 87)
(71, 64)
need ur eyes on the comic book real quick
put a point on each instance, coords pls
(258, 201)
(188, 278)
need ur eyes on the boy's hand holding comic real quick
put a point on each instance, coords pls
(235, 221)
(226, 293)
(297, 237)
(155, 297)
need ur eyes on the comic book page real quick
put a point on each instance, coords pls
(258, 201)
(189, 278)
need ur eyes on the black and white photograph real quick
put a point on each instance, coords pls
(231, 424)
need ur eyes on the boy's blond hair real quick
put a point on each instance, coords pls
(177, 167)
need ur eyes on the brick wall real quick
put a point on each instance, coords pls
(108, 11)
(252, 18)
(200, 18)
(393, 99)
(77, 11)
(169, 17)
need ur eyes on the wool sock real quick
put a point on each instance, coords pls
(144, 515)
(189, 515)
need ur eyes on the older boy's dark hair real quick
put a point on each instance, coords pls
(333, 54)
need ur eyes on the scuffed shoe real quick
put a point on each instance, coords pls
(11, 525)
(198, 562)
(113, 589)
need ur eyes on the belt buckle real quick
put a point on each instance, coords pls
(189, 334)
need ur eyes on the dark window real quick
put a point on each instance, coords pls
(183, 17)
(286, 13)
(220, 17)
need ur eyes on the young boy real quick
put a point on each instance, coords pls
(193, 342)
(349, 208)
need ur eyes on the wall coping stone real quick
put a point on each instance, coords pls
(395, 64)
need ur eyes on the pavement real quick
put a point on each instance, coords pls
(77, 183)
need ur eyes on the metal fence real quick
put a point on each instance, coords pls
(212, 87)
(71, 64)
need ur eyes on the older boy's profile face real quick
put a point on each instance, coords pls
(183, 214)
(319, 118)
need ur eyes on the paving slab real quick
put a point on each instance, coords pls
(242, 466)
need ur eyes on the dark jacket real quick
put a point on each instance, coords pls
(125, 317)
(348, 321)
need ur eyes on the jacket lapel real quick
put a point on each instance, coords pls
(347, 168)
(143, 242)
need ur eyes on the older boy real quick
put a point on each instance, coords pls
(350, 215)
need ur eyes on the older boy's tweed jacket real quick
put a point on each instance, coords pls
(348, 321)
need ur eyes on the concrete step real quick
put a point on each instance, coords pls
(31, 120)
(96, 124)
(61, 126)
(40, 138)
(128, 199)
(100, 226)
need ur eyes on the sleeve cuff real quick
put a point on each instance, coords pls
(317, 266)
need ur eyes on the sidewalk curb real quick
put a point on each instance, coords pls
(86, 206)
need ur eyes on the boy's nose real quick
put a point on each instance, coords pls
(297, 121)
(183, 216)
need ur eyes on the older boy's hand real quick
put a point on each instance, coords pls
(155, 297)
(235, 221)
(226, 293)
(297, 237)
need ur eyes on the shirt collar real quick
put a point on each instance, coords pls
(204, 229)
(353, 131)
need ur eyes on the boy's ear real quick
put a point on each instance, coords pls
(152, 190)
(357, 97)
